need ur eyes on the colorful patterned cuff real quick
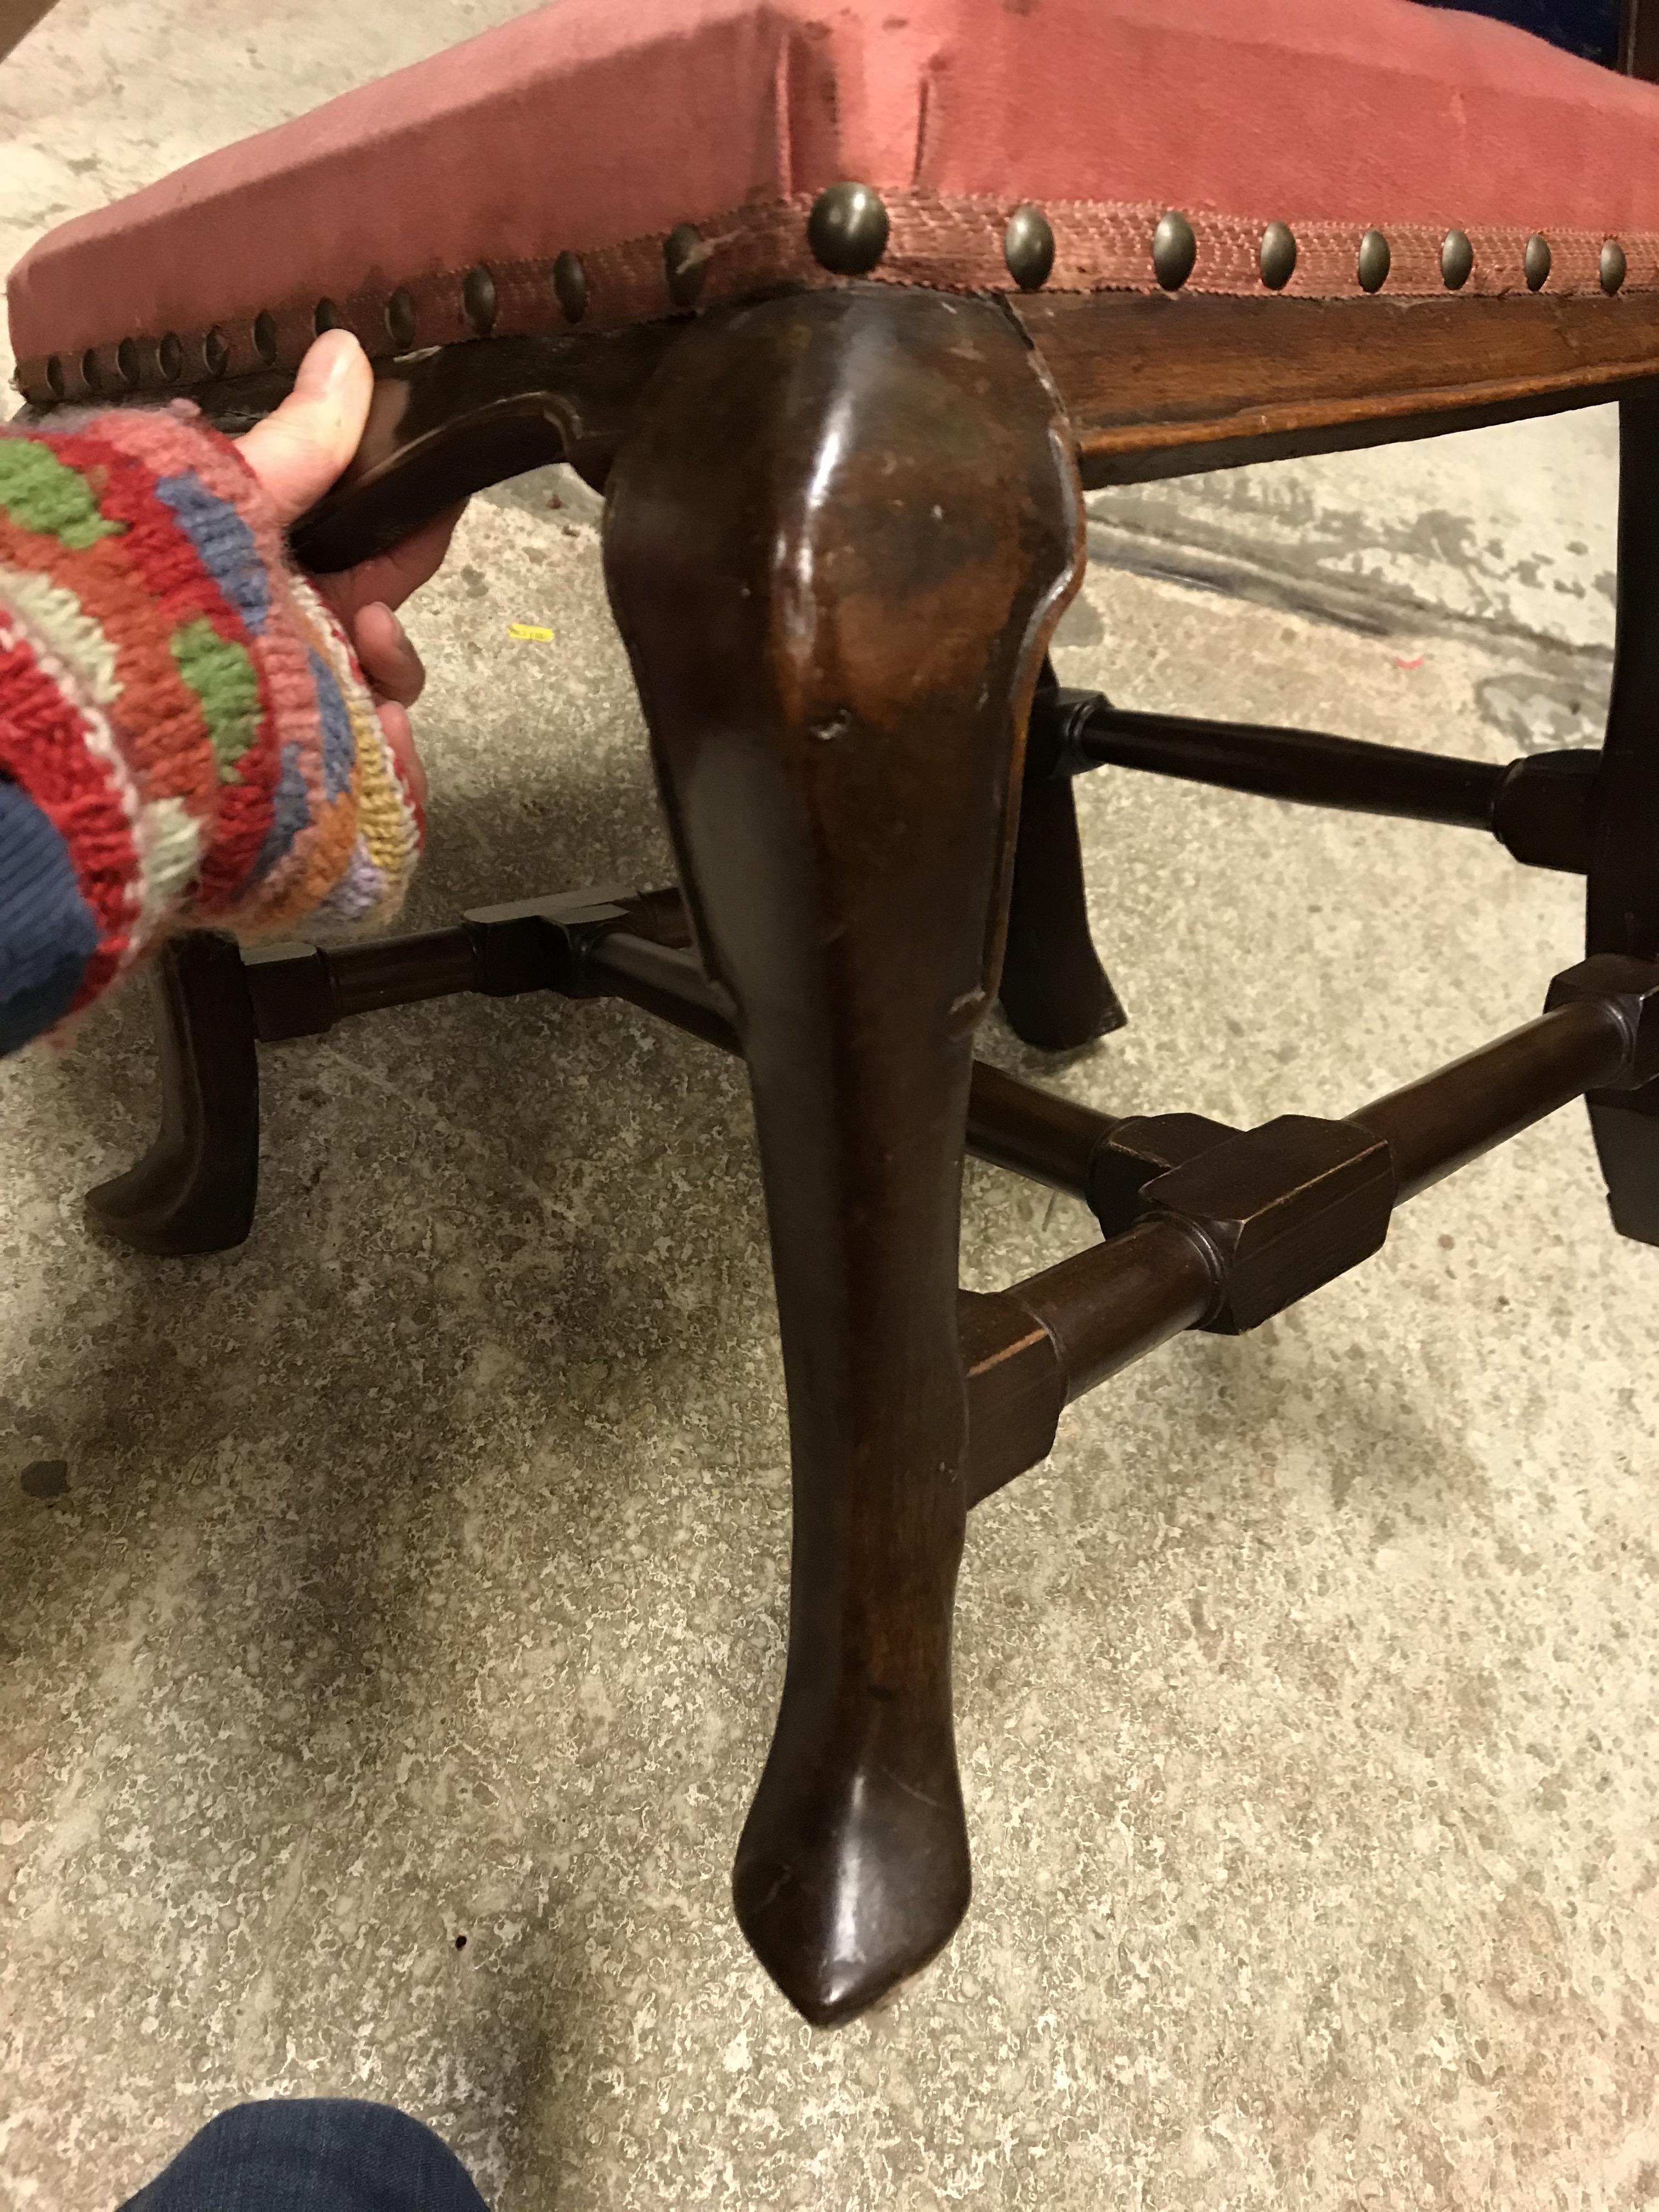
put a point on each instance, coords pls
(175, 700)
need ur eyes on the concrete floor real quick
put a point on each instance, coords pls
(417, 1572)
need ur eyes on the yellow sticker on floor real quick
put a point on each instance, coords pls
(531, 633)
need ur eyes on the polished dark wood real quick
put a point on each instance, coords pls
(1283, 1209)
(667, 981)
(1162, 384)
(457, 420)
(1105, 1308)
(195, 1189)
(1153, 385)
(1623, 901)
(300, 990)
(837, 542)
(1542, 807)
(632, 946)
(841, 526)
(1436, 1126)
(1011, 1124)
(1016, 1388)
(1307, 766)
(1054, 991)
(1215, 1228)
(1035, 1133)
(619, 943)
(1638, 38)
(1545, 808)
(1251, 1222)
(1132, 1152)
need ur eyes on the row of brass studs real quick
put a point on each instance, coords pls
(847, 232)
(1175, 251)
(567, 280)
(685, 269)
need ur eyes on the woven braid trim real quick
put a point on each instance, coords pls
(943, 244)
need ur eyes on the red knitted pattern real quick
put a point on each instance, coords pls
(283, 655)
(178, 590)
(43, 747)
(127, 615)
(171, 740)
(153, 446)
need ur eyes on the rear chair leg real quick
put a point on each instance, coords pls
(836, 545)
(194, 1190)
(1055, 993)
(1624, 874)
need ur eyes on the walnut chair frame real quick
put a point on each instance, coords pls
(874, 836)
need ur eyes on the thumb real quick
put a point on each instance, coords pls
(297, 451)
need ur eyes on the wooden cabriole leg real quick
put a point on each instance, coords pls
(836, 545)
(1624, 873)
(194, 1190)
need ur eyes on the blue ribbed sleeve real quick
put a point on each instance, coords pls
(47, 932)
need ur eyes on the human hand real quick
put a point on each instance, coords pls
(296, 453)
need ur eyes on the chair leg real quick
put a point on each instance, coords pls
(1623, 875)
(1054, 991)
(194, 1190)
(836, 545)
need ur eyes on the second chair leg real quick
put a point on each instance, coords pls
(835, 545)
(1054, 991)
(194, 1190)
(1624, 876)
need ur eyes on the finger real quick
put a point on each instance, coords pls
(401, 739)
(391, 577)
(297, 451)
(389, 661)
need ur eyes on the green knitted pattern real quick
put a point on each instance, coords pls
(221, 675)
(42, 493)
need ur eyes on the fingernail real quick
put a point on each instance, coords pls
(399, 635)
(324, 364)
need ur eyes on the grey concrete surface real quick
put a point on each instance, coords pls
(418, 1571)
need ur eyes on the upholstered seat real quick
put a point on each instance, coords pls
(598, 132)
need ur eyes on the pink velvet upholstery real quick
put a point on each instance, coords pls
(597, 125)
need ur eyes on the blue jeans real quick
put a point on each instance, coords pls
(311, 2154)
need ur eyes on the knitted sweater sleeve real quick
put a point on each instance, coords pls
(185, 735)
